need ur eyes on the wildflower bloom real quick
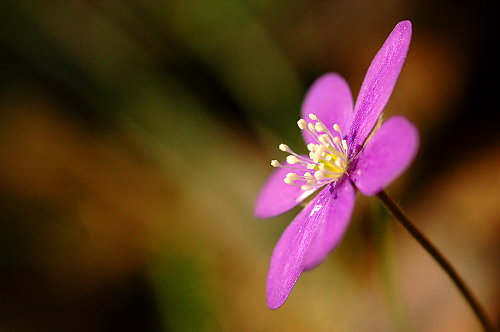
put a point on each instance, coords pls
(347, 153)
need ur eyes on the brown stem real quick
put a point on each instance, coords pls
(440, 259)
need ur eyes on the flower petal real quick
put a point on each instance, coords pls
(288, 255)
(337, 216)
(390, 151)
(378, 85)
(330, 99)
(277, 197)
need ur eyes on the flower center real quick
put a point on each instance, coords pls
(327, 159)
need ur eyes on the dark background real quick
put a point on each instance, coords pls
(135, 135)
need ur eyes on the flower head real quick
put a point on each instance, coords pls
(347, 152)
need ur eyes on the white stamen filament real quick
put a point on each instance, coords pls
(311, 128)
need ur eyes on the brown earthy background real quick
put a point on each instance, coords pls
(135, 135)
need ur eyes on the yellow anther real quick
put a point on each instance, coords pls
(302, 124)
(344, 144)
(283, 147)
(320, 127)
(292, 159)
(275, 163)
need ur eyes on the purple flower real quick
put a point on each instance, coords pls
(348, 151)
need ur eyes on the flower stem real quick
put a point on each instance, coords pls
(440, 259)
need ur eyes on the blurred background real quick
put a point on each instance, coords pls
(135, 136)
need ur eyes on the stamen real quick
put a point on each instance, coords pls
(319, 175)
(320, 127)
(311, 128)
(325, 139)
(310, 183)
(292, 160)
(344, 145)
(297, 159)
(327, 159)
(336, 127)
(284, 147)
(302, 124)
(290, 178)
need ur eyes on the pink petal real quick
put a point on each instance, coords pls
(330, 99)
(337, 216)
(277, 197)
(390, 151)
(289, 253)
(378, 85)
